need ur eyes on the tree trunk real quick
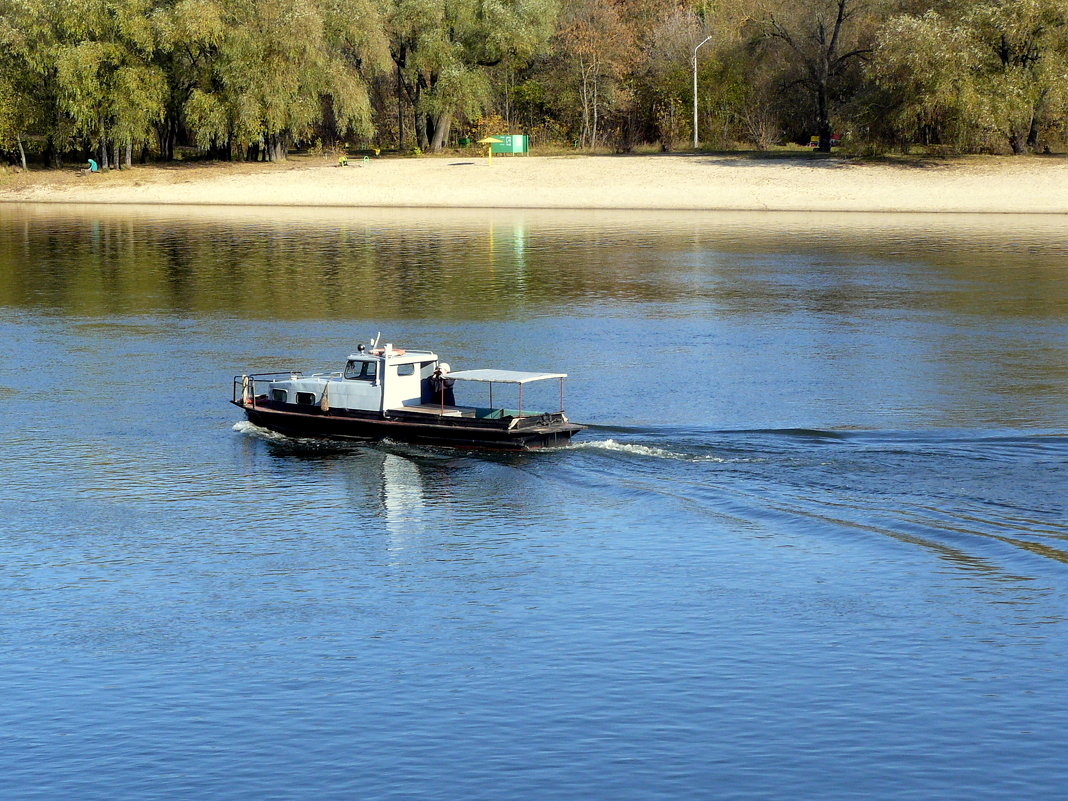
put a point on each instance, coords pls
(129, 156)
(166, 140)
(509, 88)
(428, 132)
(277, 147)
(441, 123)
(667, 137)
(1032, 133)
(22, 152)
(103, 149)
(115, 154)
(420, 130)
(821, 70)
(585, 95)
(400, 108)
(823, 118)
(51, 153)
(596, 103)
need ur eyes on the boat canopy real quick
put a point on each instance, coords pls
(502, 376)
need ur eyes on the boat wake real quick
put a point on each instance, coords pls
(252, 430)
(296, 445)
(935, 490)
(637, 449)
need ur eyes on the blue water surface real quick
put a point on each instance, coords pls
(814, 544)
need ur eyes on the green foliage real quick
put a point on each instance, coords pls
(261, 75)
(993, 75)
(208, 119)
(10, 116)
(926, 65)
(445, 54)
(107, 82)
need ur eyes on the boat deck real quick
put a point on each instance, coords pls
(437, 409)
(479, 412)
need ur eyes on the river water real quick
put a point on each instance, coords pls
(814, 544)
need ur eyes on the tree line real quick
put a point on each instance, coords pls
(130, 80)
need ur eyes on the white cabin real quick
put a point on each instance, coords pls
(373, 381)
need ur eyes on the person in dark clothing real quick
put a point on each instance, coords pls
(441, 386)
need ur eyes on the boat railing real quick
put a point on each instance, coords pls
(245, 385)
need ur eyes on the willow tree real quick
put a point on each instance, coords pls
(1023, 69)
(107, 81)
(442, 52)
(31, 34)
(189, 33)
(14, 116)
(981, 74)
(18, 103)
(924, 65)
(278, 62)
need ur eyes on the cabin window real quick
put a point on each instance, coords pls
(279, 395)
(307, 398)
(405, 369)
(360, 370)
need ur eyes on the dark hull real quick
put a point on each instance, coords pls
(524, 433)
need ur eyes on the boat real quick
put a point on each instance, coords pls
(403, 394)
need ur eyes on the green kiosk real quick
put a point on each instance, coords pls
(510, 143)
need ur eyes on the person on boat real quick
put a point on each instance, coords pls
(441, 386)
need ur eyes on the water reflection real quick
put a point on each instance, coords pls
(828, 486)
(674, 328)
(302, 264)
(402, 499)
(418, 496)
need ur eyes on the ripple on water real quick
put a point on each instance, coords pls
(815, 539)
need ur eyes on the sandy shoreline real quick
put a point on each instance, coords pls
(1034, 185)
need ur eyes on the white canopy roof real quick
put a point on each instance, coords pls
(502, 376)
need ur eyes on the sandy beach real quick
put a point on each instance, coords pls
(1033, 185)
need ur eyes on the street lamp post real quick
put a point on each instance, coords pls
(707, 39)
